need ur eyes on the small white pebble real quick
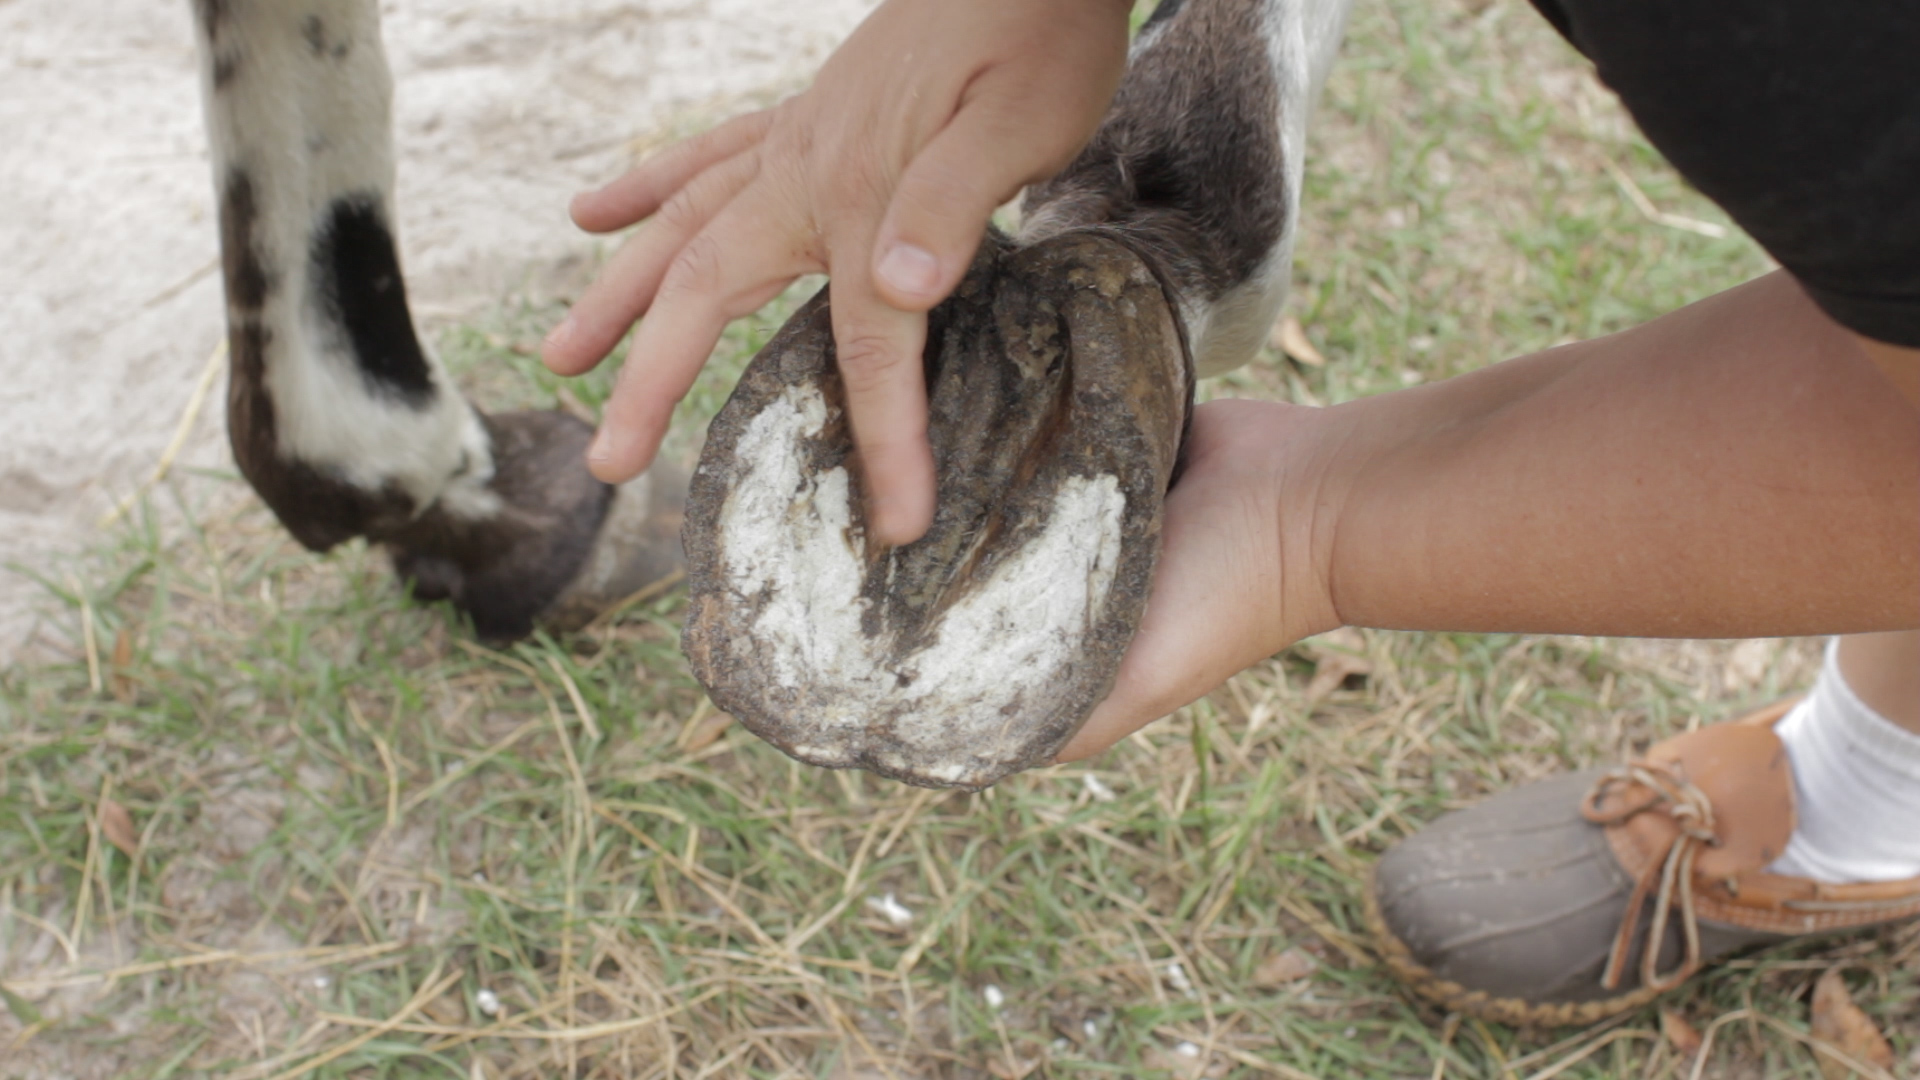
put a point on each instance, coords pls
(453, 766)
(1177, 977)
(995, 999)
(1411, 378)
(1351, 1031)
(321, 982)
(1061, 1046)
(1091, 1027)
(479, 878)
(1187, 1049)
(1096, 787)
(487, 1001)
(890, 907)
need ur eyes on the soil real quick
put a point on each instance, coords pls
(109, 304)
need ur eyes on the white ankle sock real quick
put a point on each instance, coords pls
(1856, 781)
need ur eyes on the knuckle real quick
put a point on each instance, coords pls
(695, 268)
(868, 361)
(680, 212)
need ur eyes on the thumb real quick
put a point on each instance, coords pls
(943, 200)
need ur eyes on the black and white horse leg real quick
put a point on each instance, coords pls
(340, 419)
(1199, 161)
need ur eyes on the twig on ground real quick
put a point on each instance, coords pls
(1653, 213)
(180, 433)
(429, 989)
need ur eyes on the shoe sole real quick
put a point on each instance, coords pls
(1453, 997)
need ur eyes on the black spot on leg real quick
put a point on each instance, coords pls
(315, 33)
(319, 508)
(247, 277)
(212, 15)
(359, 290)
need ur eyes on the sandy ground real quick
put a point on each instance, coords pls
(109, 306)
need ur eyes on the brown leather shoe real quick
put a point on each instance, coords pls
(1580, 896)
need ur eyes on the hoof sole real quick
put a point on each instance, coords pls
(1058, 390)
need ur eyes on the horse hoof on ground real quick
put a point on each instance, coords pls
(1059, 387)
(560, 548)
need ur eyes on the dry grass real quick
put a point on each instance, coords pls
(356, 830)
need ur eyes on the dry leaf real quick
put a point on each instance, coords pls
(117, 826)
(1017, 1069)
(1291, 338)
(1682, 1036)
(449, 1008)
(1840, 1023)
(1289, 965)
(705, 732)
(567, 400)
(1336, 655)
(122, 681)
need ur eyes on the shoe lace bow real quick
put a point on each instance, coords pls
(1664, 790)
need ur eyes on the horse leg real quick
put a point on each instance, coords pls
(339, 417)
(1060, 375)
(1199, 161)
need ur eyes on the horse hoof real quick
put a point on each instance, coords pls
(636, 550)
(558, 547)
(1059, 388)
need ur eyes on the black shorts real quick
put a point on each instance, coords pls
(1800, 117)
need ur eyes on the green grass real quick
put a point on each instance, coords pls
(341, 801)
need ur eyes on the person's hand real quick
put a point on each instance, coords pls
(1242, 572)
(883, 174)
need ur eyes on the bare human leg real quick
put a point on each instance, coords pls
(1884, 669)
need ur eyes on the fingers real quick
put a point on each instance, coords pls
(625, 288)
(917, 255)
(724, 272)
(878, 349)
(945, 198)
(644, 188)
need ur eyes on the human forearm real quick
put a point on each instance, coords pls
(1738, 468)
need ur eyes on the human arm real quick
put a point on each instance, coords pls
(1740, 467)
(882, 174)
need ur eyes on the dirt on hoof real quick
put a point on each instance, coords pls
(562, 548)
(1059, 388)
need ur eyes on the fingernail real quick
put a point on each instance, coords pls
(878, 523)
(908, 269)
(604, 444)
(559, 336)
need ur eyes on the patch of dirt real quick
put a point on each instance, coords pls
(109, 304)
